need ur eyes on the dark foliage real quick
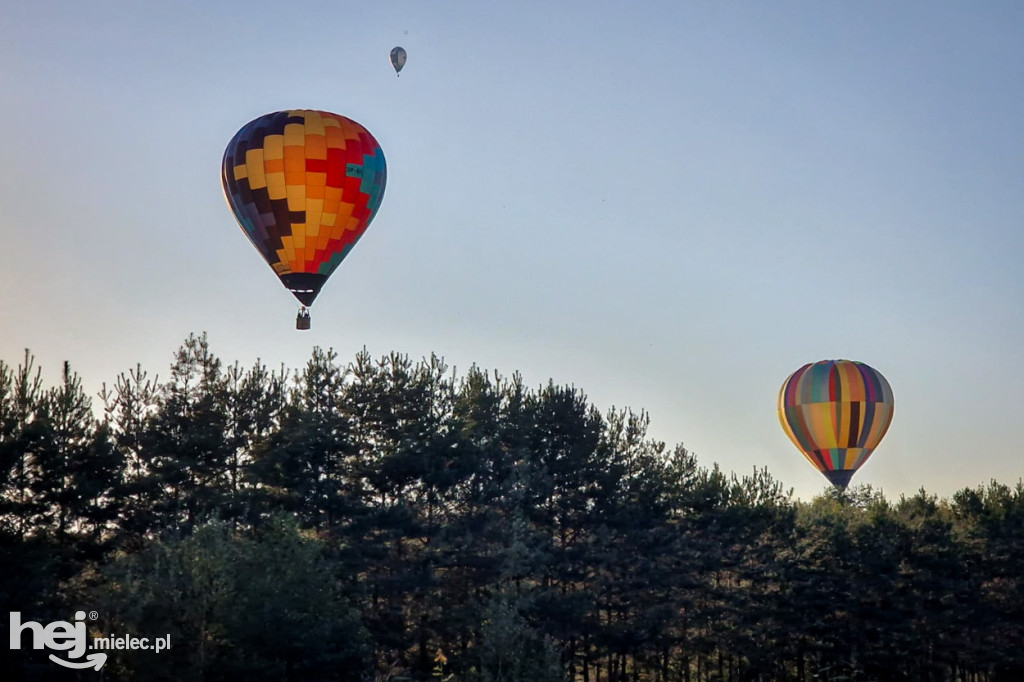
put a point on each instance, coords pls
(389, 519)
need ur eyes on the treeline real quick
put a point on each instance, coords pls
(388, 519)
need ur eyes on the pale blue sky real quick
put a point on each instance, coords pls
(671, 205)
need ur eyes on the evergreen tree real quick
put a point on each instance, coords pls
(128, 407)
(75, 470)
(187, 449)
(264, 606)
(21, 432)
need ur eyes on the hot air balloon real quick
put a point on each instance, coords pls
(836, 412)
(304, 186)
(398, 58)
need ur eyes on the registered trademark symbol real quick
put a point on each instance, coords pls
(93, 615)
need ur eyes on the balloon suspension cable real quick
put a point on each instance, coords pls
(302, 319)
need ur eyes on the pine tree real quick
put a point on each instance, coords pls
(128, 406)
(188, 453)
(21, 403)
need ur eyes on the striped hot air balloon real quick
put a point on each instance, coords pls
(836, 412)
(304, 186)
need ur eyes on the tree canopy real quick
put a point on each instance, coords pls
(388, 519)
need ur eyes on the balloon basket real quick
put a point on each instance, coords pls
(302, 319)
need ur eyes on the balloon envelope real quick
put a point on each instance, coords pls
(304, 186)
(836, 413)
(398, 58)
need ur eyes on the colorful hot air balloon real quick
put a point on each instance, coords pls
(836, 412)
(304, 186)
(398, 58)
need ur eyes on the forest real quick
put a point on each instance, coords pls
(386, 519)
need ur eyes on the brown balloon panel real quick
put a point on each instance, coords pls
(303, 285)
(840, 478)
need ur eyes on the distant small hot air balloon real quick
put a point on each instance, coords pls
(836, 412)
(304, 186)
(398, 58)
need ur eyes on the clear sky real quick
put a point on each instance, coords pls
(672, 205)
